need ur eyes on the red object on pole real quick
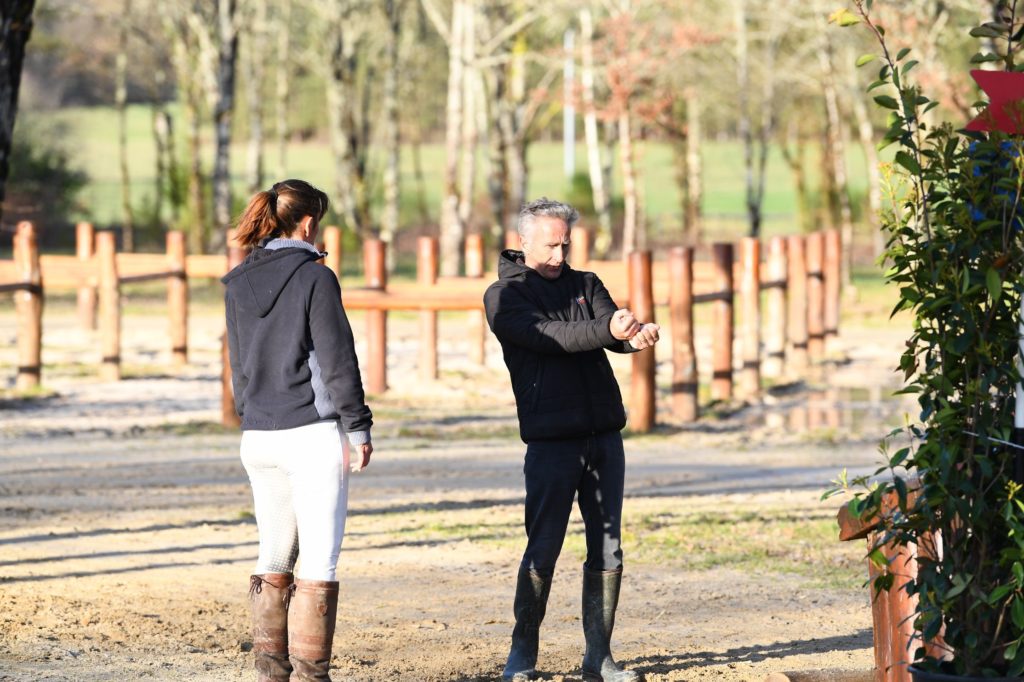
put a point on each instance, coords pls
(1005, 110)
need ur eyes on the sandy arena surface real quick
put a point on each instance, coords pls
(127, 538)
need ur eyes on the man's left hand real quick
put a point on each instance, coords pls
(646, 336)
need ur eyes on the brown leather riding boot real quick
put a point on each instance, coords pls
(269, 594)
(311, 618)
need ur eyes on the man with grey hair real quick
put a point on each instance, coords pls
(555, 324)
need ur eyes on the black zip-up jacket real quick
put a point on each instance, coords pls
(293, 358)
(553, 334)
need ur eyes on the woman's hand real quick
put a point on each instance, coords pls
(360, 458)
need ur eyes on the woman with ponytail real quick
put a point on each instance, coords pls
(305, 425)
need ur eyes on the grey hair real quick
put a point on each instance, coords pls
(547, 208)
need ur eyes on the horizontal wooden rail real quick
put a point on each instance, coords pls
(21, 286)
(151, 276)
(69, 272)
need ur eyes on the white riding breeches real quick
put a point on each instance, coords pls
(299, 481)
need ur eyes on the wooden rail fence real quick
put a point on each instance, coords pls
(800, 286)
(97, 271)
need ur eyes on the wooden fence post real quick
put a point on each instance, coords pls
(833, 282)
(815, 295)
(512, 240)
(375, 268)
(750, 296)
(332, 245)
(28, 304)
(110, 306)
(85, 249)
(228, 415)
(796, 305)
(641, 297)
(684, 358)
(475, 322)
(579, 251)
(426, 276)
(177, 297)
(775, 336)
(721, 378)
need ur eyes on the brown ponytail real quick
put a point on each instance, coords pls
(278, 211)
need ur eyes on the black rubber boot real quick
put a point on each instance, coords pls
(531, 601)
(600, 598)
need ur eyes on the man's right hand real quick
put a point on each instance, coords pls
(623, 324)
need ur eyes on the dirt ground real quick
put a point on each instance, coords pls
(127, 537)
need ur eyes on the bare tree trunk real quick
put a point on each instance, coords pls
(183, 57)
(693, 213)
(837, 143)
(196, 189)
(866, 135)
(254, 70)
(497, 176)
(515, 137)
(421, 184)
(611, 138)
(603, 238)
(389, 220)
(467, 174)
(162, 142)
(15, 29)
(339, 59)
(745, 127)
(630, 221)
(451, 229)
(283, 87)
(227, 53)
(121, 105)
(359, 132)
(766, 130)
(795, 158)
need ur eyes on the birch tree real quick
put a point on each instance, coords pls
(254, 68)
(393, 10)
(121, 106)
(227, 56)
(603, 237)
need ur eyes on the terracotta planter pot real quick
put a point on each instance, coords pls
(922, 676)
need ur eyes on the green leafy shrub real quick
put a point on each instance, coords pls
(955, 226)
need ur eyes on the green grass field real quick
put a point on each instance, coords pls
(90, 135)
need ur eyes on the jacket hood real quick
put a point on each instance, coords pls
(261, 278)
(512, 266)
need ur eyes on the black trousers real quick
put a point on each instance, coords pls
(558, 471)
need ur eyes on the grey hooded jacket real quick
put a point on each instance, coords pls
(293, 358)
